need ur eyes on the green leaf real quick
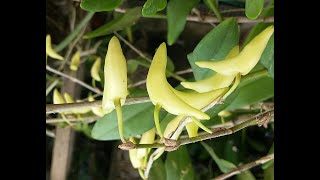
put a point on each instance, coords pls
(254, 8)
(121, 22)
(170, 66)
(178, 165)
(253, 92)
(245, 175)
(214, 6)
(151, 7)
(137, 119)
(224, 166)
(177, 12)
(215, 45)
(269, 10)
(269, 173)
(99, 5)
(157, 171)
(267, 57)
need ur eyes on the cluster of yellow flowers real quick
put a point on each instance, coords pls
(163, 95)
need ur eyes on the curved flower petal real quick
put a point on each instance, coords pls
(95, 69)
(215, 81)
(75, 61)
(147, 138)
(246, 60)
(57, 97)
(115, 72)
(160, 91)
(50, 52)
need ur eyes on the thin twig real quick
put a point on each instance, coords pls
(74, 80)
(189, 70)
(210, 19)
(245, 167)
(88, 119)
(232, 10)
(91, 51)
(50, 133)
(132, 47)
(51, 86)
(145, 57)
(137, 83)
(59, 108)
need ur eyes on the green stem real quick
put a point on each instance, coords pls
(117, 104)
(214, 7)
(234, 86)
(252, 76)
(74, 33)
(195, 120)
(156, 119)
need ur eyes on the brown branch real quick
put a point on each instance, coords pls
(259, 120)
(210, 19)
(88, 119)
(59, 108)
(245, 167)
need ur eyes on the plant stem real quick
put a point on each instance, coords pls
(245, 167)
(117, 104)
(156, 119)
(59, 108)
(213, 5)
(74, 33)
(210, 19)
(198, 123)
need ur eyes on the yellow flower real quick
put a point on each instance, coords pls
(50, 52)
(162, 94)
(75, 61)
(96, 110)
(95, 69)
(146, 138)
(215, 81)
(115, 86)
(57, 97)
(247, 58)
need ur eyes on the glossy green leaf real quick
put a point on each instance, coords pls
(157, 171)
(269, 10)
(178, 165)
(254, 8)
(224, 166)
(151, 7)
(121, 22)
(134, 116)
(99, 5)
(253, 92)
(214, 6)
(267, 57)
(177, 12)
(215, 45)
